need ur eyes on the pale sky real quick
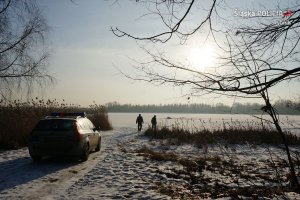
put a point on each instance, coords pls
(85, 55)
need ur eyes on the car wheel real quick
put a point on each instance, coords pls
(98, 146)
(36, 158)
(86, 153)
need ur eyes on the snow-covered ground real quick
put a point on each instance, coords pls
(122, 171)
(108, 174)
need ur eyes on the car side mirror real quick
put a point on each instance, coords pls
(97, 128)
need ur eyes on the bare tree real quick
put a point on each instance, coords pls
(255, 57)
(23, 52)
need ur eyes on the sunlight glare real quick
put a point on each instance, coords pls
(202, 57)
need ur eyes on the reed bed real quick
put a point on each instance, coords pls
(17, 119)
(231, 132)
(228, 169)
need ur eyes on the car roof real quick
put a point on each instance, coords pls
(60, 118)
(66, 115)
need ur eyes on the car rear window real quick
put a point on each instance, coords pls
(56, 125)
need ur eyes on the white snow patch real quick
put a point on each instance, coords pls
(118, 172)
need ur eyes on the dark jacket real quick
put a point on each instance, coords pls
(153, 121)
(139, 120)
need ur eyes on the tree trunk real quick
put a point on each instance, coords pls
(272, 112)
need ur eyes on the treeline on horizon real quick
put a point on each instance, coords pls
(283, 107)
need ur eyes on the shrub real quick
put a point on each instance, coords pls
(17, 118)
(232, 135)
(99, 117)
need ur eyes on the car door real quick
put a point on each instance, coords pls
(96, 134)
(85, 129)
(92, 134)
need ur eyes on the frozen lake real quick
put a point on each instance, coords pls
(199, 121)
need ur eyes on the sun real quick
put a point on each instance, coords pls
(202, 57)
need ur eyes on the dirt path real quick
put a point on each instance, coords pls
(108, 174)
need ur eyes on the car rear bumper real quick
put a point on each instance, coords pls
(69, 149)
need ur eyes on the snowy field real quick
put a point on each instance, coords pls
(289, 123)
(123, 170)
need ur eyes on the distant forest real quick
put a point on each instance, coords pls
(283, 107)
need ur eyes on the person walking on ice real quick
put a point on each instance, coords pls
(139, 122)
(154, 122)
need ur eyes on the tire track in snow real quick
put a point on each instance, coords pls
(119, 175)
(108, 174)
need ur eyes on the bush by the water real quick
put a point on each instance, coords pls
(232, 135)
(17, 119)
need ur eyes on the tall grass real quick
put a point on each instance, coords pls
(17, 119)
(98, 115)
(236, 133)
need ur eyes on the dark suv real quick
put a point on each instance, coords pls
(64, 134)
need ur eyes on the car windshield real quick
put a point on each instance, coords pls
(56, 125)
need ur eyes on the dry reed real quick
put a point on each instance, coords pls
(17, 118)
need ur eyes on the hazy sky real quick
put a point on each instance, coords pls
(85, 54)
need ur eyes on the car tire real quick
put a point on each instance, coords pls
(86, 153)
(36, 158)
(98, 146)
